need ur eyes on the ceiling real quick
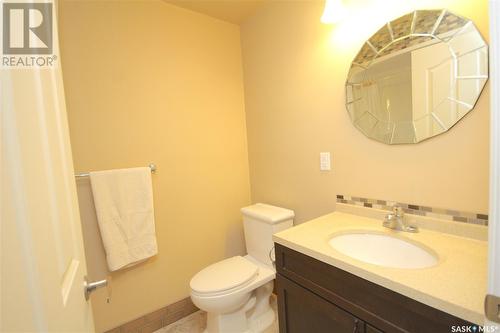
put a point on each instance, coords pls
(234, 11)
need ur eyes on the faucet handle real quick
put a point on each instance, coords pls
(390, 216)
(389, 220)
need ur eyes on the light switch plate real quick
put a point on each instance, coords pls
(325, 161)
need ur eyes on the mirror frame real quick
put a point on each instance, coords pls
(434, 34)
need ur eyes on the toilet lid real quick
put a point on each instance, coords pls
(224, 275)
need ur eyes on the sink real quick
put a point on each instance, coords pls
(383, 250)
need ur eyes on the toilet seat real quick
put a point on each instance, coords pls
(224, 277)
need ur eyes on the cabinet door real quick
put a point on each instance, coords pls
(301, 311)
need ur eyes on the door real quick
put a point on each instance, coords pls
(494, 225)
(42, 258)
(432, 74)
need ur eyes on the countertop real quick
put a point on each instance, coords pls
(456, 285)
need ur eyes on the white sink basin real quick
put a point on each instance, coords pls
(383, 250)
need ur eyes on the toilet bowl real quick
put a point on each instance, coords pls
(235, 292)
(237, 302)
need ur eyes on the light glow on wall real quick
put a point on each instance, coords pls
(362, 18)
(366, 17)
(334, 12)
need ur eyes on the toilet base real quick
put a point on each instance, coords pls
(264, 321)
(255, 316)
(260, 324)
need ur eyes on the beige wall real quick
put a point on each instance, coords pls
(295, 69)
(149, 82)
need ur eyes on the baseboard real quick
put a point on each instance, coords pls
(157, 319)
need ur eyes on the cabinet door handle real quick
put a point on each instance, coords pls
(355, 329)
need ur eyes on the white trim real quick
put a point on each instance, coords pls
(494, 218)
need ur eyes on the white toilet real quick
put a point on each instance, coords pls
(235, 292)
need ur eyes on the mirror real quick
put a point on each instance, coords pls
(416, 77)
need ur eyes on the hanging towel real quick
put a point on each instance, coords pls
(124, 206)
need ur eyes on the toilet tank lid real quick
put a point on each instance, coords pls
(268, 213)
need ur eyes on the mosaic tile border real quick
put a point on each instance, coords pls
(440, 213)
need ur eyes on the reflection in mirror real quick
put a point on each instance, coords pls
(416, 77)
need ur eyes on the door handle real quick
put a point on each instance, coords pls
(355, 329)
(89, 287)
(492, 308)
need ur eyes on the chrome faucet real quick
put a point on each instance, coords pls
(396, 221)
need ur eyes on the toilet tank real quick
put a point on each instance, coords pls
(260, 222)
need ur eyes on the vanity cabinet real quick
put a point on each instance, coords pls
(307, 312)
(314, 297)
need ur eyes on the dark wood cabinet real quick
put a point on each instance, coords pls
(371, 329)
(307, 312)
(314, 297)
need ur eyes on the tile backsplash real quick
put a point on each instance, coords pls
(440, 213)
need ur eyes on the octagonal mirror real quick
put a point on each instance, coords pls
(416, 77)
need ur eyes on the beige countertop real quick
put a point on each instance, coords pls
(456, 285)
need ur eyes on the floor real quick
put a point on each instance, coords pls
(196, 323)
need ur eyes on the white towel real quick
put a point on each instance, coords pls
(124, 206)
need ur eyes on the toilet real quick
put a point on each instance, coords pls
(235, 292)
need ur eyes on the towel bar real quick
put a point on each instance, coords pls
(86, 174)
